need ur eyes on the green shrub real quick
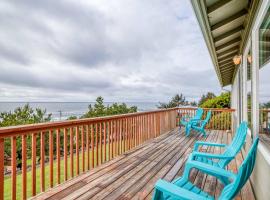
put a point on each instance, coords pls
(222, 101)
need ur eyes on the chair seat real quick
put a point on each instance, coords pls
(190, 187)
(184, 122)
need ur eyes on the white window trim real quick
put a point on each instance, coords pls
(245, 94)
(255, 65)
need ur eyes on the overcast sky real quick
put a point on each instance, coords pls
(123, 50)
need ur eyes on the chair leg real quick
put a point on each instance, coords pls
(187, 130)
(158, 195)
(203, 132)
(180, 127)
(187, 170)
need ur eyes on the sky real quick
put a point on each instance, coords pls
(123, 50)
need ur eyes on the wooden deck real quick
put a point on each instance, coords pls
(133, 175)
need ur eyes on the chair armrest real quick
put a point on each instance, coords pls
(195, 121)
(211, 155)
(202, 143)
(209, 169)
(177, 192)
(186, 117)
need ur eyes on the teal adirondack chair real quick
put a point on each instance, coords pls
(223, 159)
(182, 188)
(187, 121)
(200, 125)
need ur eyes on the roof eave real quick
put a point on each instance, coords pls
(200, 12)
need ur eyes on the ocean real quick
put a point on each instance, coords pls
(62, 110)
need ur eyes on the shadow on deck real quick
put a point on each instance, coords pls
(133, 175)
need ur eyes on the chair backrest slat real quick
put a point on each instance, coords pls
(207, 118)
(236, 144)
(199, 113)
(244, 172)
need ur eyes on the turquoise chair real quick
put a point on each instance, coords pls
(229, 153)
(200, 125)
(182, 188)
(187, 120)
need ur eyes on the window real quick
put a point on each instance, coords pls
(264, 74)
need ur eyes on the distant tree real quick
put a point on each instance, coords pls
(193, 103)
(265, 105)
(222, 101)
(206, 97)
(177, 100)
(20, 116)
(72, 117)
(99, 109)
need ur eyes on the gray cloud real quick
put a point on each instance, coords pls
(123, 50)
(11, 55)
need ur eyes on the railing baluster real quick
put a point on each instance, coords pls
(42, 161)
(24, 168)
(96, 140)
(120, 136)
(58, 156)
(82, 138)
(128, 134)
(113, 139)
(105, 142)
(124, 133)
(14, 167)
(77, 152)
(34, 160)
(100, 142)
(92, 145)
(116, 137)
(71, 152)
(148, 127)
(132, 132)
(138, 129)
(143, 129)
(109, 140)
(65, 155)
(51, 157)
(87, 146)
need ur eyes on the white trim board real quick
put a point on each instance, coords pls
(264, 151)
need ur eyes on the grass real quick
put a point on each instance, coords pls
(8, 182)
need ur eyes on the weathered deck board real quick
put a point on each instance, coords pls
(133, 175)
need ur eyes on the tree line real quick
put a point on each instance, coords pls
(208, 100)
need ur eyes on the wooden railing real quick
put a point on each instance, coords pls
(264, 121)
(44, 155)
(40, 156)
(220, 118)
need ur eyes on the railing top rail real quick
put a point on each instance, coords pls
(213, 109)
(32, 128)
(265, 110)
